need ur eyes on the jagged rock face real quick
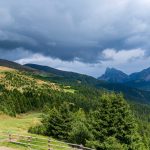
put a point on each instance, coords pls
(114, 75)
(140, 80)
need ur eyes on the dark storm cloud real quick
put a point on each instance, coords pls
(70, 29)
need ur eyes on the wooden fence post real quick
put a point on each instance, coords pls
(49, 146)
(10, 137)
(81, 147)
(29, 141)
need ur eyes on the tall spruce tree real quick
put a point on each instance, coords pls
(113, 126)
(79, 133)
(58, 122)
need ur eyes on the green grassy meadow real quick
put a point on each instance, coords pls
(19, 126)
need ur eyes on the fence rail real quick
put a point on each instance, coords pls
(36, 143)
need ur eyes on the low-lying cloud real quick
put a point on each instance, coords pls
(123, 56)
(131, 61)
(70, 30)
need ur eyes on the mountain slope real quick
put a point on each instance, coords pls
(64, 76)
(75, 79)
(139, 80)
(144, 75)
(130, 93)
(20, 92)
(139, 84)
(113, 75)
(13, 79)
(10, 64)
(37, 74)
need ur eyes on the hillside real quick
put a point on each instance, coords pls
(140, 80)
(61, 76)
(75, 79)
(21, 93)
(25, 91)
(13, 65)
(19, 127)
(40, 77)
(142, 75)
(72, 109)
(13, 79)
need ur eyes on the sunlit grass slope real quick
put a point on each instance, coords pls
(19, 125)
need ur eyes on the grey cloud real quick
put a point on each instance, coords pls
(15, 54)
(71, 29)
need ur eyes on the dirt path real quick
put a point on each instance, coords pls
(6, 148)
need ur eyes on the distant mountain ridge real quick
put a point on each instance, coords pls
(114, 75)
(64, 76)
(72, 78)
(139, 80)
(143, 75)
(14, 65)
(76, 80)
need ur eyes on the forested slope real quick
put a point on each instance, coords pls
(75, 79)
(78, 113)
(22, 92)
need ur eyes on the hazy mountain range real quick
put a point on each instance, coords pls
(135, 87)
(139, 80)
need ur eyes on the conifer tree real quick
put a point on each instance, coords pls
(113, 123)
(80, 128)
(58, 122)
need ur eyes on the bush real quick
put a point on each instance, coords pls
(80, 133)
(40, 129)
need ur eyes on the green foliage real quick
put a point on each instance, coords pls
(40, 129)
(20, 93)
(142, 114)
(113, 119)
(88, 116)
(75, 79)
(58, 122)
(111, 143)
(80, 128)
(110, 126)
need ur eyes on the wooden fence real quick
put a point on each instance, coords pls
(36, 143)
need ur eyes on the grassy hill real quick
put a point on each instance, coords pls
(44, 74)
(75, 79)
(19, 126)
(25, 91)
(13, 79)
(43, 78)
(13, 65)
(21, 92)
(65, 77)
(41, 91)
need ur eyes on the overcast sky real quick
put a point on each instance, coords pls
(84, 36)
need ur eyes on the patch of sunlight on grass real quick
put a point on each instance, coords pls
(19, 125)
